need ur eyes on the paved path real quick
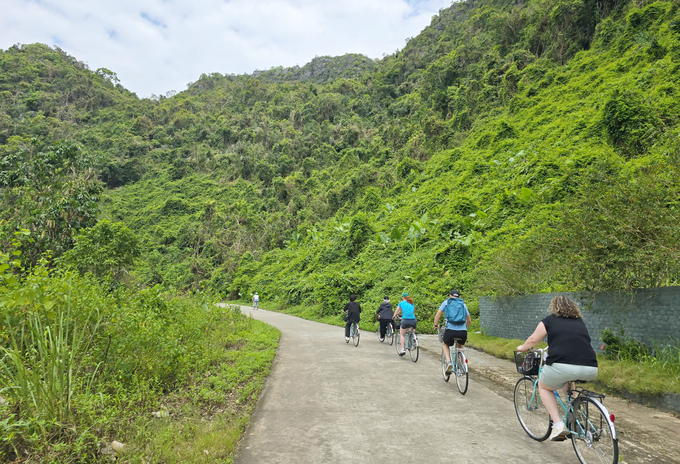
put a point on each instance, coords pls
(327, 401)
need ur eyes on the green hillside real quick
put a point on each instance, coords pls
(510, 147)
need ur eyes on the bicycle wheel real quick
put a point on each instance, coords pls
(530, 410)
(389, 334)
(461, 373)
(413, 348)
(444, 364)
(355, 334)
(592, 433)
(397, 342)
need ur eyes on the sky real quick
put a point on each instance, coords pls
(157, 46)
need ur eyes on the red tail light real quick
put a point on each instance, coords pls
(611, 417)
(466, 361)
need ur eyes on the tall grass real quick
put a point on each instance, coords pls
(662, 357)
(39, 368)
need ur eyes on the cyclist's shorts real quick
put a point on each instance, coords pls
(451, 335)
(557, 374)
(405, 323)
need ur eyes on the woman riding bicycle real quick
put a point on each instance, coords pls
(408, 318)
(457, 321)
(570, 356)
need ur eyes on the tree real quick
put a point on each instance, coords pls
(107, 250)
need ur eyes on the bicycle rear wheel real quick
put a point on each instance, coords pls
(355, 334)
(413, 348)
(460, 368)
(530, 410)
(592, 433)
(444, 365)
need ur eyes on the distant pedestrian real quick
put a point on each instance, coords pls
(256, 300)
(353, 311)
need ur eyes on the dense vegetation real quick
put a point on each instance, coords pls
(513, 146)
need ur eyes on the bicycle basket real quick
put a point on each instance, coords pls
(527, 363)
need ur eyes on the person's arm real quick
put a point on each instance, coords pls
(468, 321)
(437, 316)
(535, 338)
(397, 311)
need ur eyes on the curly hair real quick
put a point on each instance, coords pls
(562, 306)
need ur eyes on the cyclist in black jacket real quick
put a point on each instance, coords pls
(353, 310)
(385, 316)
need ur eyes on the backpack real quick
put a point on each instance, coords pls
(455, 311)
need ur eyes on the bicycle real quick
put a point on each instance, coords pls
(389, 333)
(255, 304)
(459, 361)
(590, 424)
(354, 334)
(411, 341)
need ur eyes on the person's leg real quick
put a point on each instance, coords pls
(383, 326)
(447, 352)
(549, 401)
(347, 326)
(402, 334)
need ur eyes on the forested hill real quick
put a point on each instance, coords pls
(510, 147)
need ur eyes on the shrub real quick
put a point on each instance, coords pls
(630, 122)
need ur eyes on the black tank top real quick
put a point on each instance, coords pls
(568, 342)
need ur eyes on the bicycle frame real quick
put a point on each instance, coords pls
(565, 407)
(454, 350)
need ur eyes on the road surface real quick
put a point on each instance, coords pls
(328, 401)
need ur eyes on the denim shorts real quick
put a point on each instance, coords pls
(405, 323)
(557, 374)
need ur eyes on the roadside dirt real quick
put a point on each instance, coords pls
(646, 435)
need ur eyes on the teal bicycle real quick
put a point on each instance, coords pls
(410, 340)
(591, 426)
(459, 362)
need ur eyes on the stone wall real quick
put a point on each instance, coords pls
(646, 315)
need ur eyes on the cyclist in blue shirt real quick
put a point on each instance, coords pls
(454, 330)
(408, 318)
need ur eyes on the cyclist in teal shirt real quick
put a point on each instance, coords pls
(408, 318)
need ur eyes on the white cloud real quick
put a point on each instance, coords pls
(160, 45)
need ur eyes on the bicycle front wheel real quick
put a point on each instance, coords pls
(461, 373)
(413, 348)
(397, 342)
(355, 334)
(389, 334)
(530, 410)
(592, 435)
(444, 365)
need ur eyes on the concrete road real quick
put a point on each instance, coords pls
(328, 401)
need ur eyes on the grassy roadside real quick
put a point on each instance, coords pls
(174, 379)
(614, 375)
(203, 422)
